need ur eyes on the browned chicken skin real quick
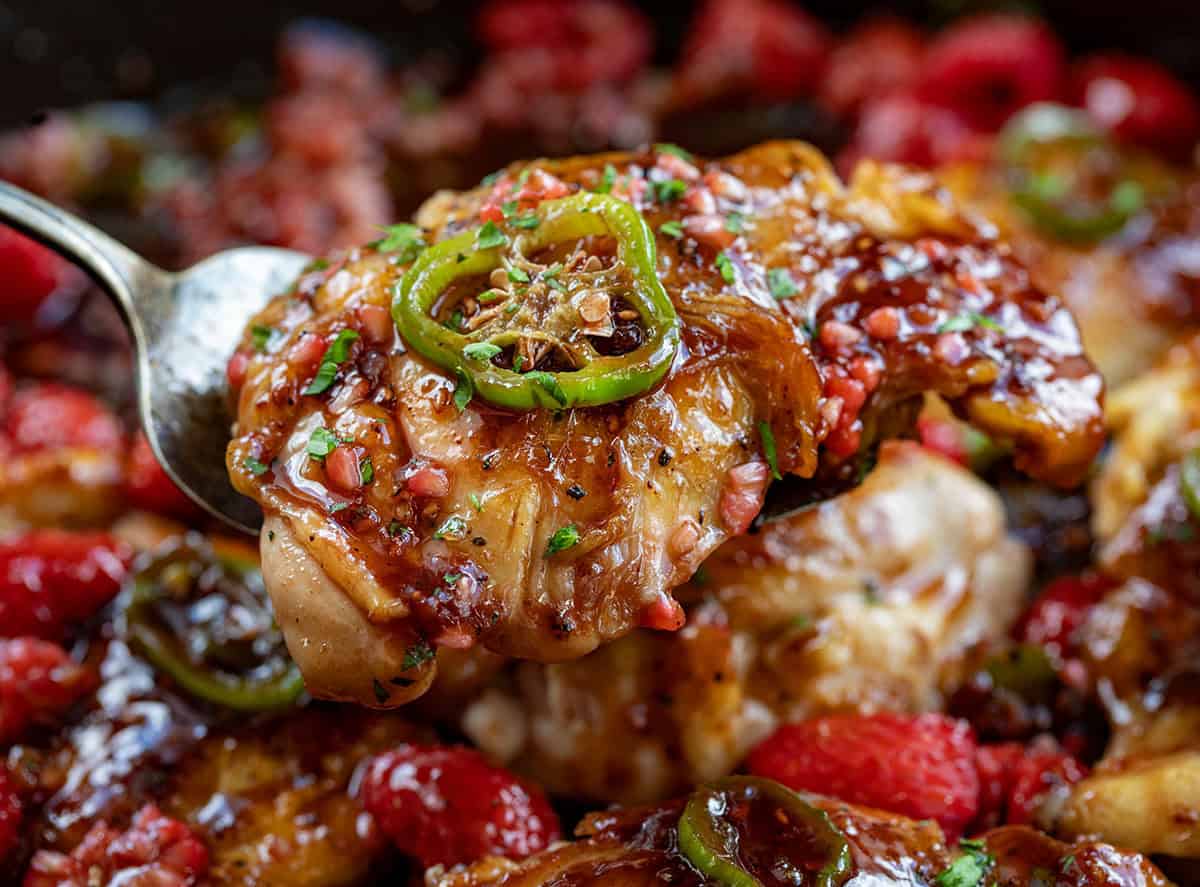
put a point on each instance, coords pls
(446, 546)
(632, 848)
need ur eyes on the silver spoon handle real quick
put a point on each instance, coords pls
(114, 266)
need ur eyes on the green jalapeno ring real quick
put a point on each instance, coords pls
(701, 842)
(602, 379)
(241, 694)
(1042, 197)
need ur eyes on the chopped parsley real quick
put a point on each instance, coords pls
(529, 221)
(455, 321)
(491, 178)
(607, 179)
(366, 470)
(258, 469)
(550, 276)
(672, 229)
(321, 443)
(768, 445)
(969, 869)
(260, 336)
(475, 501)
(725, 266)
(453, 527)
(451, 579)
(490, 296)
(464, 389)
(968, 320)
(395, 528)
(416, 655)
(335, 356)
(549, 383)
(669, 190)
(490, 237)
(481, 351)
(668, 148)
(518, 275)
(735, 223)
(563, 538)
(405, 240)
(781, 283)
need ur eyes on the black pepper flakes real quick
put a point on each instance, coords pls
(576, 492)
(664, 457)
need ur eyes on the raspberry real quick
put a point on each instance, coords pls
(29, 273)
(10, 815)
(148, 487)
(877, 58)
(448, 805)
(772, 49)
(51, 579)
(38, 681)
(154, 850)
(920, 766)
(48, 415)
(1054, 619)
(988, 67)
(1140, 102)
(1016, 780)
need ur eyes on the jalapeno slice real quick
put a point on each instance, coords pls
(551, 334)
(1066, 175)
(719, 814)
(205, 621)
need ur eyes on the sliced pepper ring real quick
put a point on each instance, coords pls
(711, 843)
(1053, 199)
(172, 616)
(548, 313)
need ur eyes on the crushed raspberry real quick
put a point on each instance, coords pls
(1054, 619)
(1016, 780)
(944, 436)
(448, 805)
(920, 766)
(53, 579)
(48, 416)
(155, 850)
(38, 681)
(986, 68)
(532, 190)
(1140, 102)
(148, 487)
(10, 815)
(29, 273)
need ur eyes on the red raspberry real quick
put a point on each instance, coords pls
(48, 415)
(988, 67)
(1140, 102)
(50, 579)
(448, 805)
(773, 49)
(148, 487)
(1058, 613)
(920, 766)
(1015, 780)
(10, 815)
(38, 681)
(155, 850)
(578, 44)
(877, 58)
(29, 273)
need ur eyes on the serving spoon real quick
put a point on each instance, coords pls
(185, 326)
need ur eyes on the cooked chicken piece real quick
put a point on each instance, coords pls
(1140, 516)
(1130, 293)
(269, 798)
(546, 533)
(867, 602)
(1142, 648)
(640, 848)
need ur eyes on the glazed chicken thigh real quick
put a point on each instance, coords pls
(540, 490)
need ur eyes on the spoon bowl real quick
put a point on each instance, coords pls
(185, 326)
